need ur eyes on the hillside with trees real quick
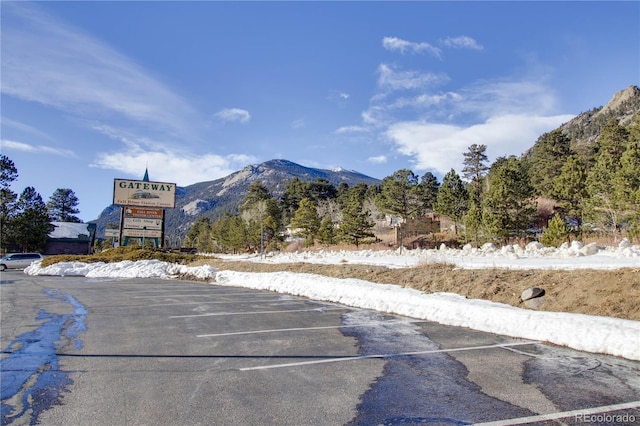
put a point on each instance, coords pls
(571, 182)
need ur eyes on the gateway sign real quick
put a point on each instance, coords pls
(144, 193)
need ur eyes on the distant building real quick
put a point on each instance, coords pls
(70, 238)
(415, 230)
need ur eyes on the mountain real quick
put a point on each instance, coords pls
(213, 198)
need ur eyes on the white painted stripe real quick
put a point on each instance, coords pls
(576, 414)
(215, 314)
(208, 294)
(381, 356)
(270, 300)
(278, 330)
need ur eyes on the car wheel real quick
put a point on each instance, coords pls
(3, 267)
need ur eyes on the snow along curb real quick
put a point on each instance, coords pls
(589, 333)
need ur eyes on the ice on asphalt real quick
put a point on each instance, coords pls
(582, 332)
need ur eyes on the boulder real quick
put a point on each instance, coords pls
(532, 293)
(533, 298)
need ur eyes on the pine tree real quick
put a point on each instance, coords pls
(601, 207)
(398, 194)
(427, 191)
(473, 223)
(555, 233)
(475, 167)
(627, 188)
(452, 198)
(509, 209)
(327, 231)
(613, 139)
(548, 155)
(356, 224)
(62, 206)
(8, 174)
(262, 216)
(570, 190)
(199, 236)
(306, 220)
(31, 224)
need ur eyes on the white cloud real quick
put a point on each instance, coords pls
(390, 78)
(403, 46)
(440, 146)
(462, 42)
(48, 62)
(380, 159)
(25, 128)
(36, 149)
(351, 129)
(298, 124)
(233, 115)
(172, 166)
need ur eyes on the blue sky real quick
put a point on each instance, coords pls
(93, 91)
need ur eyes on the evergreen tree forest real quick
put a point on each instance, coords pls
(594, 189)
(25, 219)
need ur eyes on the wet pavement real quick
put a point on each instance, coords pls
(168, 352)
(30, 375)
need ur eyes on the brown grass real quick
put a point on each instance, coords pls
(594, 292)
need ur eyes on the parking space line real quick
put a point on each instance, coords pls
(270, 300)
(215, 314)
(383, 356)
(208, 294)
(582, 414)
(278, 330)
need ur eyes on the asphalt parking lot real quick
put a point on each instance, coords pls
(147, 351)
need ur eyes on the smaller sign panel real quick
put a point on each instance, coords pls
(141, 233)
(143, 212)
(111, 232)
(144, 193)
(141, 223)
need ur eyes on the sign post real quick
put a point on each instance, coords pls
(142, 213)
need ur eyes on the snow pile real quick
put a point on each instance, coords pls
(533, 256)
(124, 269)
(583, 332)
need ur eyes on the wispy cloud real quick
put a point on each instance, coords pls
(166, 165)
(233, 115)
(7, 122)
(462, 42)
(404, 46)
(379, 159)
(434, 127)
(390, 77)
(49, 62)
(36, 149)
(298, 124)
(339, 97)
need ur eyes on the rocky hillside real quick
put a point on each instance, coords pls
(213, 198)
(584, 130)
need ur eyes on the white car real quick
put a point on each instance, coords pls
(18, 260)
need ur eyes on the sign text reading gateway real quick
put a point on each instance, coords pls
(144, 193)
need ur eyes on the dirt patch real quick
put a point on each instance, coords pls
(593, 292)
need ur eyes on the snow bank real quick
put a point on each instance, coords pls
(124, 269)
(533, 256)
(582, 332)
